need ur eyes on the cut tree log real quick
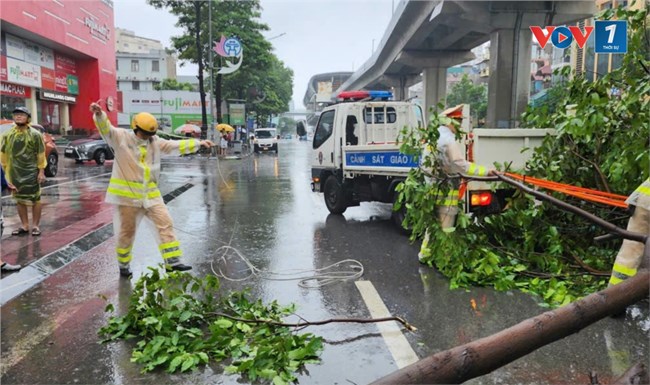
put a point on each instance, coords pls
(482, 356)
(637, 374)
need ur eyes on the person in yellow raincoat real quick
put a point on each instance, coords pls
(133, 186)
(22, 154)
(452, 161)
(630, 255)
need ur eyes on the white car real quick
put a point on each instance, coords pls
(265, 139)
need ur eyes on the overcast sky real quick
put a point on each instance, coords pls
(319, 35)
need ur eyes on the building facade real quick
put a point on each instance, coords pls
(56, 58)
(141, 63)
(596, 65)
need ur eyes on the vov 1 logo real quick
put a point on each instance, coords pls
(610, 37)
(561, 37)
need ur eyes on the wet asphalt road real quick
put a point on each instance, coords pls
(261, 205)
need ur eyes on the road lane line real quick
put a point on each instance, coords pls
(398, 346)
(75, 181)
(25, 345)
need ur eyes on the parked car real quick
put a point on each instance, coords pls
(91, 148)
(51, 154)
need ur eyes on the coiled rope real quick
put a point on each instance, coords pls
(344, 270)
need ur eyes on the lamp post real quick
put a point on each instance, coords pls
(212, 93)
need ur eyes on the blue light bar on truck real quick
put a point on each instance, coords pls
(380, 94)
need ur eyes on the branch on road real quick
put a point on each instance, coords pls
(306, 323)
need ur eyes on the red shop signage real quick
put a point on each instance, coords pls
(3, 69)
(15, 90)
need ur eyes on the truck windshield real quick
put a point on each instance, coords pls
(264, 134)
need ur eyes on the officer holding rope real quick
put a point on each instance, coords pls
(133, 187)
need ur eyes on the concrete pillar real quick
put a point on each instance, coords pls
(401, 89)
(64, 117)
(31, 105)
(434, 85)
(509, 83)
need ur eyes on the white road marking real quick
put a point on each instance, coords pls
(398, 346)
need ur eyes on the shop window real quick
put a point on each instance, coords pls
(9, 103)
(49, 117)
(135, 85)
(155, 66)
(135, 65)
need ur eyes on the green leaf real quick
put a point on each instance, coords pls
(187, 363)
(185, 316)
(174, 363)
(223, 323)
(277, 380)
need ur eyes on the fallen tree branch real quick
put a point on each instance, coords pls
(482, 356)
(590, 269)
(401, 320)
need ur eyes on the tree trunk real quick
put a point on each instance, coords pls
(199, 56)
(481, 357)
(217, 92)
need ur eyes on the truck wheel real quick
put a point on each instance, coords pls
(334, 196)
(399, 215)
(100, 157)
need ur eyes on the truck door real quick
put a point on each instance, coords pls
(325, 151)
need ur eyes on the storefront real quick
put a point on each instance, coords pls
(12, 96)
(73, 50)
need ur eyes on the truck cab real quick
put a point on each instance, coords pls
(355, 154)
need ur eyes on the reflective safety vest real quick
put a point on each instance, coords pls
(641, 196)
(450, 156)
(136, 169)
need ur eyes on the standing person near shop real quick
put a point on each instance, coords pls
(133, 186)
(630, 255)
(4, 185)
(450, 157)
(223, 144)
(22, 155)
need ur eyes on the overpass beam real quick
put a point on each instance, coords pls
(509, 83)
(400, 84)
(434, 82)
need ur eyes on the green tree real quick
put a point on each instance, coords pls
(262, 80)
(601, 143)
(466, 92)
(190, 19)
(173, 84)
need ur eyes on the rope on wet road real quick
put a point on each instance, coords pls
(345, 270)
